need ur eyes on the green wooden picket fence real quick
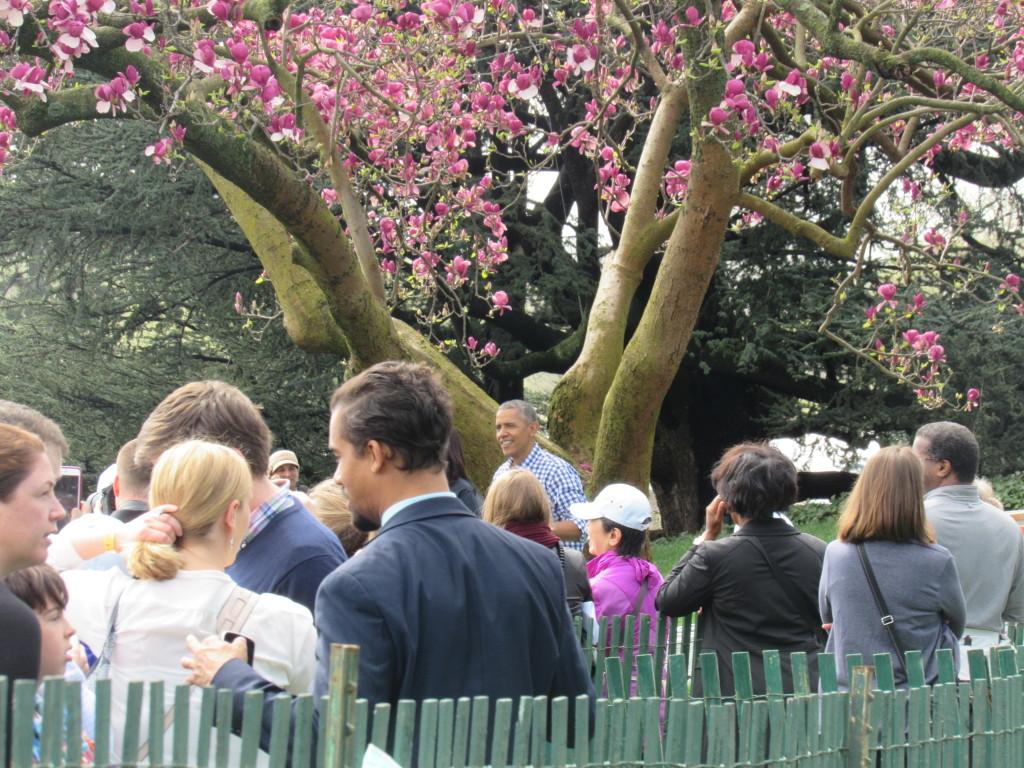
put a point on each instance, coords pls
(952, 724)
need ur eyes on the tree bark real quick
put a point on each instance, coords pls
(625, 441)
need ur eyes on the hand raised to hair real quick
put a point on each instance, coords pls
(714, 517)
(158, 526)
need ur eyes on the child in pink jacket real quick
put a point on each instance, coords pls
(623, 583)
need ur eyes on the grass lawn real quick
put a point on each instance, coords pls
(816, 519)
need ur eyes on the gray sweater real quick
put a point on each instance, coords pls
(989, 552)
(921, 588)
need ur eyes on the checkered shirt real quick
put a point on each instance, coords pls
(561, 482)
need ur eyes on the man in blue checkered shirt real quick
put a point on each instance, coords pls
(516, 427)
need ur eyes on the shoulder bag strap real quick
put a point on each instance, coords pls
(790, 587)
(639, 602)
(236, 610)
(883, 609)
(101, 669)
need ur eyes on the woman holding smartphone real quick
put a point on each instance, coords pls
(137, 627)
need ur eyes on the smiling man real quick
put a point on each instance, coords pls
(516, 428)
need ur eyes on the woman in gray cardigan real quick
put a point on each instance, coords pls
(916, 578)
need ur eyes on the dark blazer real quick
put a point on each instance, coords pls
(444, 605)
(747, 605)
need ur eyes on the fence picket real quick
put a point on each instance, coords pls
(521, 743)
(133, 717)
(381, 725)
(53, 722)
(722, 734)
(207, 703)
(252, 720)
(180, 728)
(460, 736)
(73, 719)
(427, 752)
(742, 680)
(478, 732)
(652, 746)
(559, 731)
(445, 731)
(500, 733)
(405, 728)
(155, 738)
(281, 714)
(225, 701)
(21, 723)
(302, 743)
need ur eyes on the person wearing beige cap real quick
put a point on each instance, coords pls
(284, 465)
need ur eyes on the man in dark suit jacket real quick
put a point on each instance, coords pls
(758, 588)
(441, 604)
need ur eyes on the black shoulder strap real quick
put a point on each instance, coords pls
(790, 587)
(883, 609)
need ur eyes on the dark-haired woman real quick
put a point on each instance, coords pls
(458, 482)
(756, 589)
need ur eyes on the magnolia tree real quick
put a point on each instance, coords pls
(365, 148)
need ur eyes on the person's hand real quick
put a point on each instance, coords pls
(714, 517)
(209, 656)
(158, 525)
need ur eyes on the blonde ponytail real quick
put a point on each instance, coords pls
(159, 562)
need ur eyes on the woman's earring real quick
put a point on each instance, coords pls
(231, 542)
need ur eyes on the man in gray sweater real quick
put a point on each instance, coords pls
(986, 543)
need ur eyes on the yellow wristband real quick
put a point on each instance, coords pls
(110, 543)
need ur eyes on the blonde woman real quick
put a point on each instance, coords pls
(883, 532)
(181, 589)
(517, 502)
(330, 506)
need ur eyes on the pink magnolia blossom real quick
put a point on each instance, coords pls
(491, 349)
(500, 301)
(238, 302)
(471, 343)
(139, 34)
(1012, 282)
(936, 353)
(887, 291)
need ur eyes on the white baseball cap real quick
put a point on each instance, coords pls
(620, 503)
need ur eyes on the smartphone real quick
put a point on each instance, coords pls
(250, 645)
(69, 488)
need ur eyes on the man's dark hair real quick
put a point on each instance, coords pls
(205, 410)
(31, 420)
(755, 480)
(402, 405)
(37, 586)
(956, 444)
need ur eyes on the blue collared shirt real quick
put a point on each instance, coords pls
(398, 506)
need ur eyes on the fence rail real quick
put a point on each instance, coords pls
(951, 724)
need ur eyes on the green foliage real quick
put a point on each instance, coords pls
(1009, 489)
(113, 293)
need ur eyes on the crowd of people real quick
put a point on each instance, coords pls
(214, 565)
